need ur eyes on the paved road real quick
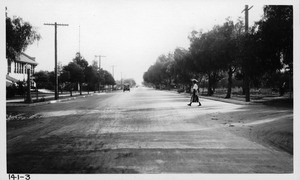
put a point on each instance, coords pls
(142, 131)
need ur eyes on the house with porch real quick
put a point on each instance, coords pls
(16, 69)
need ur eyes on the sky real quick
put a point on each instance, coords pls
(131, 34)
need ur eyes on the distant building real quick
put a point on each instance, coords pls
(16, 70)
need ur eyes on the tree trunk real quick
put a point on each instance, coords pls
(290, 83)
(209, 89)
(71, 86)
(229, 85)
(247, 88)
(243, 87)
(80, 87)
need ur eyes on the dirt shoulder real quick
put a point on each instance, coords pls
(277, 129)
(268, 126)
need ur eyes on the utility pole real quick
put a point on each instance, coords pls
(113, 74)
(55, 54)
(99, 69)
(113, 71)
(121, 80)
(79, 39)
(246, 17)
(246, 75)
(99, 60)
(28, 97)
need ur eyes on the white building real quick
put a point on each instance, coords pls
(16, 70)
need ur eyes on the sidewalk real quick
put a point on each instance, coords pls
(238, 100)
(283, 101)
(49, 99)
(231, 100)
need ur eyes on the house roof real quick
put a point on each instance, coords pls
(8, 84)
(11, 78)
(26, 59)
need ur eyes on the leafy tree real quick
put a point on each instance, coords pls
(99, 76)
(83, 64)
(75, 72)
(21, 88)
(65, 81)
(226, 50)
(108, 78)
(166, 69)
(267, 47)
(42, 80)
(203, 49)
(275, 33)
(183, 67)
(130, 81)
(160, 73)
(91, 78)
(19, 35)
(80, 61)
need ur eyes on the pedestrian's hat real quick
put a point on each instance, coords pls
(194, 80)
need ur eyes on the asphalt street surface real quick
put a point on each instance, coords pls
(141, 131)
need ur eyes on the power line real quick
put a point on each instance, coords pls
(55, 54)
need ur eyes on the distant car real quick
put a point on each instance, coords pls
(126, 88)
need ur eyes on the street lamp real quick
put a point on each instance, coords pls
(28, 97)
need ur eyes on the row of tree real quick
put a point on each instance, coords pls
(263, 57)
(77, 75)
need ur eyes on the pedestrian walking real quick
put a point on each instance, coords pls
(195, 89)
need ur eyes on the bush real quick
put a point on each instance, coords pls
(180, 90)
(11, 91)
(42, 99)
(21, 89)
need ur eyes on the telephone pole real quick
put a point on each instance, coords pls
(99, 60)
(79, 40)
(113, 71)
(55, 54)
(121, 80)
(246, 75)
(99, 68)
(246, 17)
